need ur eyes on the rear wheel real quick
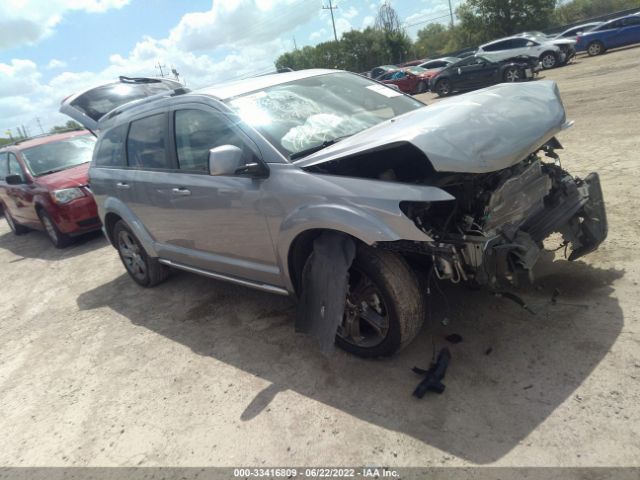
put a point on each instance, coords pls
(16, 228)
(443, 87)
(595, 48)
(512, 74)
(548, 60)
(59, 239)
(384, 309)
(144, 270)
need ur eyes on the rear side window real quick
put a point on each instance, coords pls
(146, 144)
(198, 131)
(4, 169)
(504, 45)
(110, 151)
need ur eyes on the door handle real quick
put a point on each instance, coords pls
(181, 191)
(122, 185)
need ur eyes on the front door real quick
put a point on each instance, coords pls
(20, 197)
(200, 220)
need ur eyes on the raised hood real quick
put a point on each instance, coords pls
(478, 132)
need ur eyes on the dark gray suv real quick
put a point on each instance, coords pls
(238, 182)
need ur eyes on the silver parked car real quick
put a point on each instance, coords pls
(237, 181)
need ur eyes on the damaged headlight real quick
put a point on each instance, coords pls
(66, 195)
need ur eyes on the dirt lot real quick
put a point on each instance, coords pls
(96, 371)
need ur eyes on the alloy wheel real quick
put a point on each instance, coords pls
(595, 49)
(512, 75)
(132, 255)
(443, 88)
(548, 61)
(366, 319)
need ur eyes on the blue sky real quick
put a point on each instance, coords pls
(51, 48)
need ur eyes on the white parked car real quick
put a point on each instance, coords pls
(550, 55)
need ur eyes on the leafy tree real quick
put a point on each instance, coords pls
(397, 40)
(485, 20)
(70, 125)
(578, 10)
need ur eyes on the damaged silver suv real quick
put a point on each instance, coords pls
(249, 181)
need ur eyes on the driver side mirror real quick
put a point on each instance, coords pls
(227, 160)
(14, 179)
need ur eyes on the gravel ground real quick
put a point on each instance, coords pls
(95, 371)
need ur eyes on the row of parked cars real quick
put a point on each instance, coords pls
(509, 59)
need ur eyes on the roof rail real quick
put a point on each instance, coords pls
(40, 135)
(134, 103)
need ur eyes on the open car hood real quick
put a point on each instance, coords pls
(477, 132)
(89, 106)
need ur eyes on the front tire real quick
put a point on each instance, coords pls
(512, 74)
(443, 87)
(595, 48)
(16, 228)
(59, 239)
(548, 60)
(385, 308)
(145, 270)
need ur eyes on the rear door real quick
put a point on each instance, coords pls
(90, 106)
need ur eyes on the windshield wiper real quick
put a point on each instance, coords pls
(315, 148)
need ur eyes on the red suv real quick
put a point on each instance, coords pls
(43, 186)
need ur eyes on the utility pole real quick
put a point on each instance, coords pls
(40, 125)
(8, 132)
(295, 46)
(331, 8)
(451, 13)
(160, 67)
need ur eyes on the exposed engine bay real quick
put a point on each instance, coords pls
(493, 232)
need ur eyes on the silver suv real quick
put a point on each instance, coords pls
(239, 181)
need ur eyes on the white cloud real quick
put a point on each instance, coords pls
(28, 21)
(343, 25)
(318, 35)
(19, 77)
(351, 13)
(368, 21)
(54, 63)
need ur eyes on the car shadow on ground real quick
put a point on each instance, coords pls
(509, 373)
(36, 244)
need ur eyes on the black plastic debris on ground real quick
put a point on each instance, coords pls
(433, 376)
(453, 338)
(324, 288)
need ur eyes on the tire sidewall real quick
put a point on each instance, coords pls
(61, 240)
(119, 227)
(443, 82)
(600, 49)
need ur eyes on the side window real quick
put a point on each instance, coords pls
(110, 150)
(146, 143)
(14, 167)
(198, 131)
(4, 168)
(504, 45)
(631, 21)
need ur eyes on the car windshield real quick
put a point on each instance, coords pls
(304, 115)
(56, 156)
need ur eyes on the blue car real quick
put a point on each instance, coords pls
(614, 33)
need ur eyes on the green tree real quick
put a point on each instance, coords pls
(397, 41)
(578, 10)
(484, 20)
(70, 125)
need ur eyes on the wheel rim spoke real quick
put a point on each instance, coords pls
(374, 319)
